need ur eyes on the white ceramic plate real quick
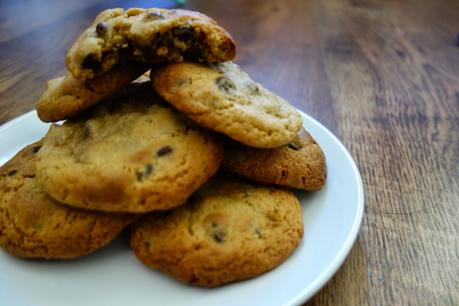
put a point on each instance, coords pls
(113, 276)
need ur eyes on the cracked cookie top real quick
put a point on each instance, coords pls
(227, 231)
(148, 35)
(33, 225)
(223, 98)
(131, 153)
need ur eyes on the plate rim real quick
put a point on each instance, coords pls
(16, 120)
(337, 261)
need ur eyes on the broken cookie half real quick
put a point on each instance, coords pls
(147, 35)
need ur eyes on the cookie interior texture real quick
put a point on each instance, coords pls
(33, 225)
(227, 231)
(149, 35)
(131, 153)
(300, 164)
(223, 98)
(65, 97)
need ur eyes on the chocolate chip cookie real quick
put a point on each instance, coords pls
(131, 153)
(299, 164)
(227, 231)
(33, 225)
(66, 97)
(147, 35)
(223, 98)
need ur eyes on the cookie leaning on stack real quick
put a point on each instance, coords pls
(126, 149)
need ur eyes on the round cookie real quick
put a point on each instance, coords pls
(299, 164)
(223, 98)
(66, 97)
(33, 225)
(148, 35)
(131, 153)
(227, 231)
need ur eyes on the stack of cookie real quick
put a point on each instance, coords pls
(147, 151)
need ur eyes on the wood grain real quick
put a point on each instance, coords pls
(382, 75)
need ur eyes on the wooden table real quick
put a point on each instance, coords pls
(382, 75)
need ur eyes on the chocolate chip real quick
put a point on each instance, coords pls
(90, 62)
(225, 84)
(294, 146)
(12, 172)
(148, 169)
(145, 173)
(164, 151)
(101, 28)
(153, 16)
(284, 174)
(36, 149)
(219, 236)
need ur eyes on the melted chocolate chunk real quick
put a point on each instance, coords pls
(90, 62)
(195, 52)
(12, 172)
(225, 84)
(164, 151)
(185, 34)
